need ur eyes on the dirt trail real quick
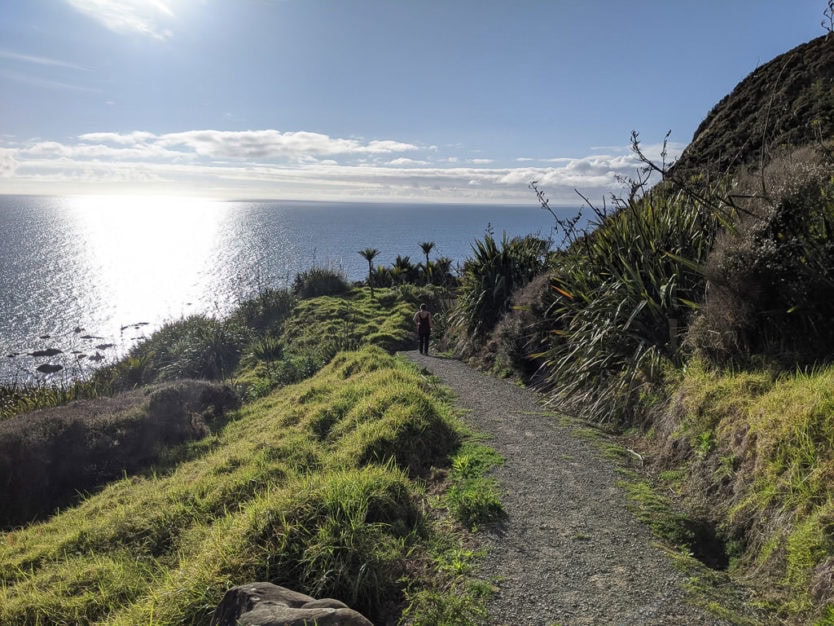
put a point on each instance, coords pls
(570, 551)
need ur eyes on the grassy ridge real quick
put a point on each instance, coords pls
(351, 319)
(311, 487)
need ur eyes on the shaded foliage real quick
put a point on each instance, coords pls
(319, 281)
(49, 456)
(487, 284)
(771, 290)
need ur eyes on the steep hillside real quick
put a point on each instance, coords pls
(786, 102)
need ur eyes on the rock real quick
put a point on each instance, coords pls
(326, 603)
(47, 352)
(49, 368)
(265, 604)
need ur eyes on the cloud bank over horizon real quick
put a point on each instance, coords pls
(277, 164)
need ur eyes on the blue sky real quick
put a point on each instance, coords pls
(388, 100)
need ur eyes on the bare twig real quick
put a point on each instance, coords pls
(642, 461)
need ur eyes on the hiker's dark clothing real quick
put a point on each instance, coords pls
(423, 319)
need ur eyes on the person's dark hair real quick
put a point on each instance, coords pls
(423, 307)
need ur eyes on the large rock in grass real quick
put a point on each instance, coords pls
(265, 604)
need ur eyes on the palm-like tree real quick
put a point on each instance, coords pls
(427, 247)
(442, 269)
(407, 271)
(369, 254)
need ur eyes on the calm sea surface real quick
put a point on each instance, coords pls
(81, 272)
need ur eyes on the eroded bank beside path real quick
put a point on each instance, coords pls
(570, 551)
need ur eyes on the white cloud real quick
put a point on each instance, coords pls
(270, 163)
(144, 17)
(252, 144)
(407, 161)
(117, 138)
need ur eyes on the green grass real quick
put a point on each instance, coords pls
(757, 453)
(454, 594)
(473, 497)
(327, 324)
(326, 504)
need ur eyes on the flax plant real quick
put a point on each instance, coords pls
(621, 299)
(490, 277)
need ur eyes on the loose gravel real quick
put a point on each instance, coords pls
(569, 552)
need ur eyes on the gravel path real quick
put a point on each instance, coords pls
(570, 552)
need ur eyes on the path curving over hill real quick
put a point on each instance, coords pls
(570, 552)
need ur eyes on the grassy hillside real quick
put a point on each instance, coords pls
(754, 450)
(787, 102)
(317, 482)
(313, 487)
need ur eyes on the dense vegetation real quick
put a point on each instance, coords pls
(786, 102)
(701, 315)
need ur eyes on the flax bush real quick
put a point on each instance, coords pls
(487, 284)
(622, 296)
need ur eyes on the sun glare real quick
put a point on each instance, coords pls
(149, 253)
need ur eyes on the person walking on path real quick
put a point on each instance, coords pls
(423, 320)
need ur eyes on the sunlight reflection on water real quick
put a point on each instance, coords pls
(149, 256)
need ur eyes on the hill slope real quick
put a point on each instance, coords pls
(788, 101)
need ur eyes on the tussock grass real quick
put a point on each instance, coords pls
(286, 492)
(328, 324)
(762, 447)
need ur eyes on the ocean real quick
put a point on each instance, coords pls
(94, 275)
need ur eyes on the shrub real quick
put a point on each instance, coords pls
(193, 347)
(487, 284)
(319, 281)
(522, 333)
(50, 455)
(771, 280)
(266, 311)
(622, 295)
